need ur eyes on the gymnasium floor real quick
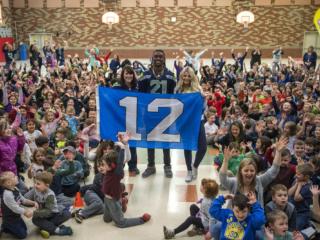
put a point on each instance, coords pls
(167, 200)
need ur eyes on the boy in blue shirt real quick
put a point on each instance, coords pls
(301, 196)
(240, 222)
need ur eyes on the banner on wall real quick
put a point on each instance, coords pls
(153, 120)
(5, 36)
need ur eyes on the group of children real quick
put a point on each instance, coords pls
(265, 123)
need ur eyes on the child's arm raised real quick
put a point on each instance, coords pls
(216, 210)
(297, 196)
(257, 212)
(226, 181)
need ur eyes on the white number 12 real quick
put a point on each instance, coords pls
(157, 134)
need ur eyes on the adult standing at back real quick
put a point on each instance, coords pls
(310, 58)
(158, 79)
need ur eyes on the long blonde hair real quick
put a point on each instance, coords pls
(194, 84)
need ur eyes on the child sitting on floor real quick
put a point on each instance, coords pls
(11, 199)
(301, 196)
(234, 161)
(93, 197)
(278, 227)
(199, 217)
(47, 217)
(240, 222)
(280, 202)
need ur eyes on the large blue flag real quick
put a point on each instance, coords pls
(154, 120)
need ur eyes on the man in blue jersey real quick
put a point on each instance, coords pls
(158, 79)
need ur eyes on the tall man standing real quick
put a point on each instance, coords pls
(158, 79)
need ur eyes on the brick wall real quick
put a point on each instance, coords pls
(145, 28)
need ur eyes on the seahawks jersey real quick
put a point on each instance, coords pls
(163, 84)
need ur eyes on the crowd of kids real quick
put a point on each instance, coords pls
(263, 119)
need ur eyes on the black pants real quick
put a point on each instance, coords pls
(166, 157)
(70, 190)
(51, 223)
(134, 159)
(202, 149)
(192, 220)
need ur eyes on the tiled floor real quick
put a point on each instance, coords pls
(167, 200)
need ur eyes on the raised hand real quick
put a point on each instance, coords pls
(252, 197)
(282, 143)
(268, 233)
(315, 190)
(228, 196)
(227, 153)
(124, 138)
(297, 236)
(19, 132)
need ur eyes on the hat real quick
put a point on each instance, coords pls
(69, 148)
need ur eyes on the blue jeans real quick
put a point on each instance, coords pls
(18, 229)
(215, 230)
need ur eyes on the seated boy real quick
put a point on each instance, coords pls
(280, 201)
(210, 128)
(240, 222)
(285, 176)
(93, 198)
(47, 217)
(278, 227)
(315, 162)
(234, 161)
(71, 172)
(298, 152)
(11, 199)
(301, 196)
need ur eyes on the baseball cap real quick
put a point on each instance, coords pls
(69, 148)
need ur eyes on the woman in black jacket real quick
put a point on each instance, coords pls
(128, 81)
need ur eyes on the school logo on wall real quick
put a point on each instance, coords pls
(234, 231)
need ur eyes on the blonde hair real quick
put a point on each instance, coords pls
(5, 176)
(194, 84)
(246, 162)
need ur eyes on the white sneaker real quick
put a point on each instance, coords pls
(194, 173)
(189, 177)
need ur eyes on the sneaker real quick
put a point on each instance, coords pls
(194, 173)
(167, 171)
(78, 218)
(65, 231)
(168, 233)
(189, 177)
(44, 234)
(74, 212)
(195, 231)
(146, 217)
(148, 172)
